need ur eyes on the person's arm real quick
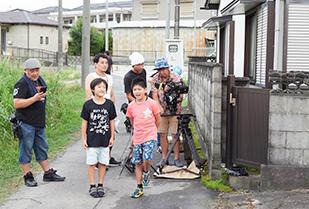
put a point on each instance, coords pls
(158, 119)
(87, 87)
(84, 130)
(129, 96)
(112, 68)
(132, 122)
(156, 98)
(20, 103)
(112, 125)
(112, 94)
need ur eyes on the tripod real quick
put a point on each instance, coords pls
(183, 128)
(127, 159)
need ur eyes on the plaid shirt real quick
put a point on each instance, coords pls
(157, 78)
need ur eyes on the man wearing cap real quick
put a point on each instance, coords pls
(30, 103)
(137, 63)
(167, 121)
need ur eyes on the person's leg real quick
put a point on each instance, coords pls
(164, 144)
(139, 173)
(25, 167)
(148, 148)
(91, 174)
(44, 164)
(176, 148)
(101, 173)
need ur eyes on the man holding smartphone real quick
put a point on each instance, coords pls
(30, 103)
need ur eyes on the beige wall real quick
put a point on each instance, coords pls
(200, 14)
(29, 36)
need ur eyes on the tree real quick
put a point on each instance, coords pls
(76, 33)
(110, 41)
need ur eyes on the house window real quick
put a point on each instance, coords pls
(46, 40)
(250, 49)
(149, 10)
(186, 9)
(41, 39)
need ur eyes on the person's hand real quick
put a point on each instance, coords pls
(85, 145)
(111, 142)
(39, 96)
(161, 110)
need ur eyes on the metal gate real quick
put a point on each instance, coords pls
(248, 128)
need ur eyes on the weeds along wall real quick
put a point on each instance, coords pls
(205, 100)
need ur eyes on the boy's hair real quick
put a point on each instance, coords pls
(96, 82)
(138, 81)
(97, 57)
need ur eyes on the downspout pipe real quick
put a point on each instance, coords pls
(277, 33)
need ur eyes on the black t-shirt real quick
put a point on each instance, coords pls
(34, 114)
(98, 117)
(110, 63)
(128, 79)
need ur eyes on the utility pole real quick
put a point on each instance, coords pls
(168, 14)
(177, 14)
(60, 29)
(106, 27)
(85, 42)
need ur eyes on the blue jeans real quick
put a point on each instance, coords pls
(33, 138)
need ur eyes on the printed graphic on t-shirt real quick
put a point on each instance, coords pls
(99, 121)
(147, 112)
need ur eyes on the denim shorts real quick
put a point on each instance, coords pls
(33, 139)
(97, 154)
(143, 152)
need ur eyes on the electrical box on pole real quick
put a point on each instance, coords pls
(174, 52)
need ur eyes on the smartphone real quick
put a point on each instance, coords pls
(43, 89)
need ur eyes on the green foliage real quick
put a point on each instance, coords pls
(218, 185)
(64, 103)
(76, 33)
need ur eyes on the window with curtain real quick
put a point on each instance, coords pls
(150, 10)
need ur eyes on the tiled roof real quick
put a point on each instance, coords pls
(23, 17)
(48, 10)
(120, 4)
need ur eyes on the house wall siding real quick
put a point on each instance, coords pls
(19, 36)
(298, 37)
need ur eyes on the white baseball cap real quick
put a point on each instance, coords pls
(136, 58)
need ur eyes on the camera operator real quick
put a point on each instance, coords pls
(167, 120)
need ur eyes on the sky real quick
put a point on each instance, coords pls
(32, 5)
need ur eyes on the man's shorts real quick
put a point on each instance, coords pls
(33, 138)
(143, 152)
(168, 121)
(97, 154)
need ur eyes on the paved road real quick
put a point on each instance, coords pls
(73, 192)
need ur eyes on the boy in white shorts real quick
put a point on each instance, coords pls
(98, 124)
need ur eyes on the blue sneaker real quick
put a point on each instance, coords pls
(178, 163)
(146, 178)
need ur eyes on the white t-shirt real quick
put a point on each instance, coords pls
(109, 80)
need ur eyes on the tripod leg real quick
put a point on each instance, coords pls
(192, 146)
(169, 151)
(125, 162)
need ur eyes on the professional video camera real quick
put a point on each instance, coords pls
(172, 93)
(16, 126)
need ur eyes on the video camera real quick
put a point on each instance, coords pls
(172, 93)
(16, 126)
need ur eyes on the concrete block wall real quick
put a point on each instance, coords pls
(205, 101)
(288, 130)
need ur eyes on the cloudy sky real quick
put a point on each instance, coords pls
(32, 5)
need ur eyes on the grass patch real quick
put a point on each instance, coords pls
(63, 107)
(218, 185)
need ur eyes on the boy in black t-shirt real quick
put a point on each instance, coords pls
(98, 123)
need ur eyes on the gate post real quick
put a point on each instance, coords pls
(229, 122)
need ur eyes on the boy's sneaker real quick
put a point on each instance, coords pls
(146, 178)
(29, 180)
(138, 192)
(100, 191)
(52, 176)
(113, 162)
(93, 192)
(178, 163)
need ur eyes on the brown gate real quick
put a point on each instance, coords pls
(248, 128)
